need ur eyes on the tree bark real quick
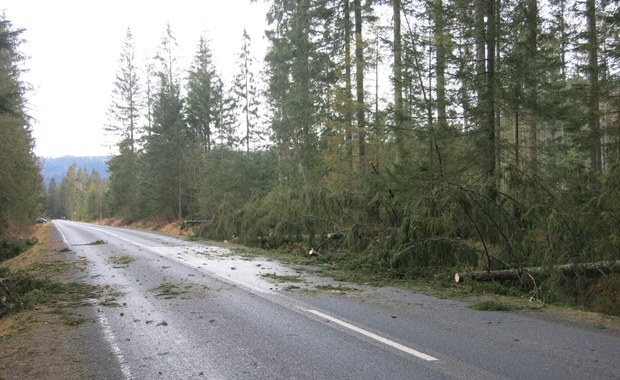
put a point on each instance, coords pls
(532, 49)
(491, 158)
(398, 82)
(348, 85)
(359, 80)
(485, 19)
(591, 270)
(440, 65)
(593, 71)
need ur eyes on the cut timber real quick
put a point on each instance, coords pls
(188, 223)
(498, 275)
(586, 269)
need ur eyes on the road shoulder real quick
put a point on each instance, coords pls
(51, 340)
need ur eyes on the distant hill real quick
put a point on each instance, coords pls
(57, 167)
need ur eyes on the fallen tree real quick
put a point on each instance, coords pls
(586, 269)
(194, 222)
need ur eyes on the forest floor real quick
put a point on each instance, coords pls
(47, 341)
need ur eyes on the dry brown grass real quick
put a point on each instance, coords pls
(160, 225)
(32, 259)
(39, 343)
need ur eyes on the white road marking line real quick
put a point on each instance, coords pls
(342, 323)
(118, 237)
(374, 336)
(158, 251)
(64, 238)
(107, 332)
(118, 354)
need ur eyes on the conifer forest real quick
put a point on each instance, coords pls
(21, 186)
(408, 138)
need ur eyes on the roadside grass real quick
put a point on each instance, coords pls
(36, 279)
(339, 267)
(109, 297)
(335, 289)
(73, 319)
(491, 305)
(14, 246)
(20, 292)
(364, 269)
(342, 267)
(282, 255)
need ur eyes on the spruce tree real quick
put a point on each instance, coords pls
(21, 187)
(164, 189)
(300, 75)
(125, 114)
(125, 109)
(246, 91)
(53, 203)
(203, 96)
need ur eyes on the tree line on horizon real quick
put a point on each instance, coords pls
(494, 143)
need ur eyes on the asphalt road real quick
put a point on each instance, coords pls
(175, 309)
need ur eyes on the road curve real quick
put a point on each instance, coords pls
(175, 309)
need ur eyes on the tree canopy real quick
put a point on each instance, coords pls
(21, 191)
(422, 133)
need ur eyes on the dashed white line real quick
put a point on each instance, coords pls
(374, 336)
(107, 333)
(342, 323)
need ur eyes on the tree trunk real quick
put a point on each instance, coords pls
(485, 40)
(246, 94)
(516, 136)
(399, 112)
(490, 90)
(465, 54)
(440, 65)
(348, 116)
(591, 270)
(484, 18)
(593, 70)
(532, 50)
(359, 82)
(480, 38)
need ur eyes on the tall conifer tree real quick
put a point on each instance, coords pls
(246, 92)
(203, 96)
(125, 114)
(164, 186)
(21, 187)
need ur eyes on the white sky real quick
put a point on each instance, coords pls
(74, 47)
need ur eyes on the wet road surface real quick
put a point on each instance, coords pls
(176, 309)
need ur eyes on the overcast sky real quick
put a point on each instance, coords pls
(74, 47)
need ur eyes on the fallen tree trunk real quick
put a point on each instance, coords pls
(586, 269)
(189, 223)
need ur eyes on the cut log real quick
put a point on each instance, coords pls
(591, 270)
(498, 275)
(190, 223)
(334, 235)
